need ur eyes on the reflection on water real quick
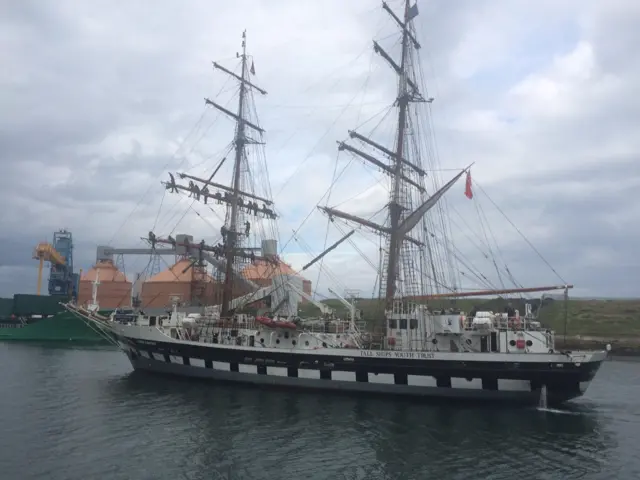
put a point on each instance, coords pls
(88, 416)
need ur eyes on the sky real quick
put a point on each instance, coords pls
(99, 100)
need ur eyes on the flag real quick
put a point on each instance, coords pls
(413, 12)
(252, 69)
(467, 188)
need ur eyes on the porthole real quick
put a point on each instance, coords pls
(307, 343)
(529, 343)
(512, 343)
(293, 342)
(262, 340)
(434, 341)
(277, 340)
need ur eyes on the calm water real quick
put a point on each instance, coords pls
(82, 414)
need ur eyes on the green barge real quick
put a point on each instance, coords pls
(42, 318)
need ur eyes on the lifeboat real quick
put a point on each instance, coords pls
(271, 323)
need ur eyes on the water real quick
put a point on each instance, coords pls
(79, 414)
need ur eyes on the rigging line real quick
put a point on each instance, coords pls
(128, 294)
(446, 263)
(169, 268)
(332, 87)
(326, 269)
(304, 161)
(479, 244)
(433, 146)
(163, 168)
(193, 130)
(357, 249)
(324, 106)
(520, 233)
(467, 263)
(202, 217)
(326, 235)
(164, 194)
(484, 232)
(228, 149)
(366, 84)
(315, 206)
(468, 237)
(500, 255)
(386, 110)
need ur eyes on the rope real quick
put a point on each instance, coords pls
(521, 234)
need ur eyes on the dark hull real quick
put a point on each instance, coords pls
(518, 382)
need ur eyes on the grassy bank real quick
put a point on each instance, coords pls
(590, 323)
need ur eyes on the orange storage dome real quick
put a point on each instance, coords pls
(114, 289)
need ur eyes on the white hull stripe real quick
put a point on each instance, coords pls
(148, 360)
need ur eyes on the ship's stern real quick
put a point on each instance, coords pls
(573, 384)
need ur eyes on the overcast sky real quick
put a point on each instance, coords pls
(96, 99)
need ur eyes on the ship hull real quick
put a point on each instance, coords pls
(62, 327)
(514, 378)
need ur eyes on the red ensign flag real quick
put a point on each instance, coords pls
(467, 188)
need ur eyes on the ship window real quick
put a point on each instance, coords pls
(278, 340)
(403, 324)
(307, 343)
(286, 334)
(413, 323)
(262, 340)
(293, 342)
(393, 323)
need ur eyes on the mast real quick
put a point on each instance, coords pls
(395, 208)
(240, 204)
(405, 209)
(232, 234)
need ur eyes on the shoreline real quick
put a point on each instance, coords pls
(620, 347)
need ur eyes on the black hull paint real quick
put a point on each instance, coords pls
(561, 379)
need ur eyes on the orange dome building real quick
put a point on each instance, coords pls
(261, 273)
(114, 289)
(189, 284)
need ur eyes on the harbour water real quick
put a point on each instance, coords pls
(81, 413)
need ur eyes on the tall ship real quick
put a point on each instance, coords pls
(41, 317)
(409, 348)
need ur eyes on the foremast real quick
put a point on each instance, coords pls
(408, 200)
(235, 196)
(240, 141)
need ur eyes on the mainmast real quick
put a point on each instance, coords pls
(408, 200)
(395, 208)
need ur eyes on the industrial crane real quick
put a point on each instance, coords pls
(45, 252)
(63, 281)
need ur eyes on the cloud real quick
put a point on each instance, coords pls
(99, 100)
